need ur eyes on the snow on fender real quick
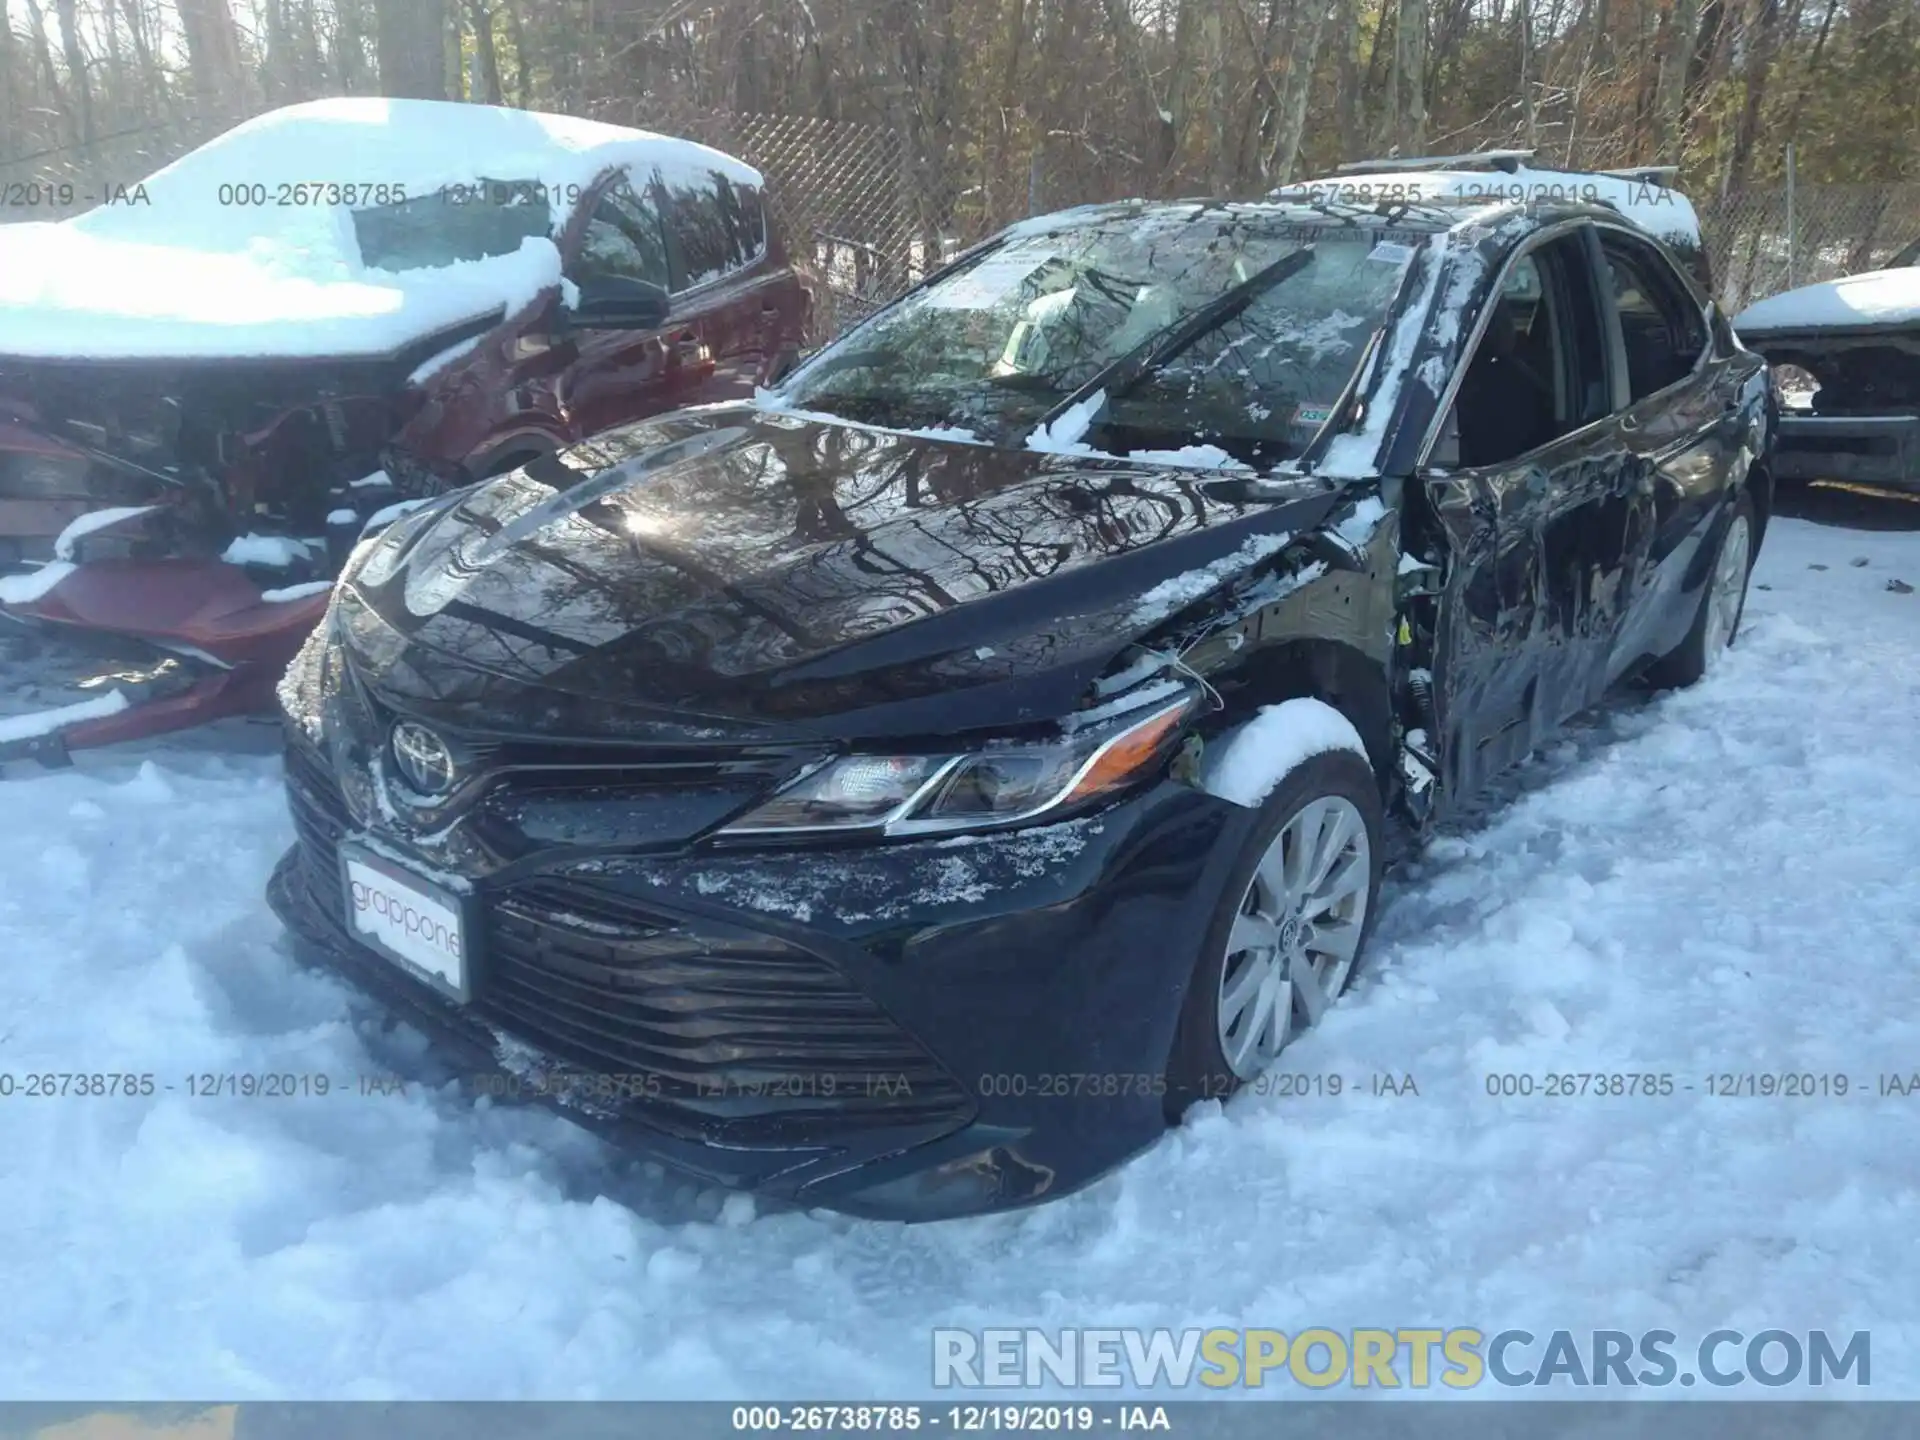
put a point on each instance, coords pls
(1246, 764)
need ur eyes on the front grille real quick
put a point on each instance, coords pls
(320, 818)
(729, 1034)
(749, 1030)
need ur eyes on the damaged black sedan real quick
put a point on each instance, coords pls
(908, 792)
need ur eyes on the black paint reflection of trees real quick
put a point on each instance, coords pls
(771, 552)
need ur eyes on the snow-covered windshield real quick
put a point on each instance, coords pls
(995, 344)
(474, 222)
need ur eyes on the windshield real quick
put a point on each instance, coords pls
(477, 222)
(997, 343)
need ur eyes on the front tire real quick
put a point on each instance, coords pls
(1723, 603)
(1290, 929)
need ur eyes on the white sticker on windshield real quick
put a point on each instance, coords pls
(992, 280)
(1391, 252)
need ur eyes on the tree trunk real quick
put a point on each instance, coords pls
(411, 38)
(1762, 41)
(76, 60)
(1410, 45)
(10, 88)
(480, 15)
(1302, 56)
(522, 61)
(1350, 110)
(213, 59)
(349, 39)
(1670, 86)
(153, 83)
(1529, 122)
(49, 72)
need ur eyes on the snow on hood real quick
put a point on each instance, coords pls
(1879, 297)
(184, 275)
(1652, 206)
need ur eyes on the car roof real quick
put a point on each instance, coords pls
(1643, 195)
(1469, 216)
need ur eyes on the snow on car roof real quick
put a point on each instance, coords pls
(1878, 297)
(1656, 208)
(227, 256)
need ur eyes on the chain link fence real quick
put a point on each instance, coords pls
(1765, 239)
(866, 217)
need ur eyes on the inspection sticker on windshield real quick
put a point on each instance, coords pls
(1390, 252)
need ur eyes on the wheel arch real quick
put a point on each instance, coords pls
(1331, 671)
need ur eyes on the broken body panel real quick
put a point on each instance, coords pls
(1857, 340)
(306, 450)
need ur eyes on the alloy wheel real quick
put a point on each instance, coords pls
(1294, 940)
(1728, 587)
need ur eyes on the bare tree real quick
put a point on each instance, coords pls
(411, 38)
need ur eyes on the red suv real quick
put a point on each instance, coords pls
(212, 384)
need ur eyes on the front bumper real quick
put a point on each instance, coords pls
(1860, 449)
(907, 1031)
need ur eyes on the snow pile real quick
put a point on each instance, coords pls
(275, 551)
(1879, 297)
(82, 526)
(1245, 767)
(218, 262)
(45, 722)
(773, 402)
(1182, 590)
(31, 585)
(296, 592)
(1066, 434)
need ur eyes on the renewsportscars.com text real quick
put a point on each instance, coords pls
(1460, 1358)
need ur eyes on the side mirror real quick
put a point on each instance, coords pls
(617, 302)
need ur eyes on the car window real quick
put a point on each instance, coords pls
(1539, 369)
(996, 342)
(718, 225)
(747, 218)
(623, 239)
(1281, 365)
(471, 222)
(1660, 325)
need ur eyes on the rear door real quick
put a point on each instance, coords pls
(735, 298)
(1527, 479)
(1682, 429)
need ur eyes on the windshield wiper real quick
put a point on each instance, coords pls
(1166, 346)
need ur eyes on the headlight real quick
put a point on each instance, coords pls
(995, 786)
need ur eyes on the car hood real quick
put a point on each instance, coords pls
(764, 572)
(1875, 300)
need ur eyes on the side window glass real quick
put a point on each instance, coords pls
(1660, 326)
(703, 228)
(749, 221)
(1539, 370)
(623, 239)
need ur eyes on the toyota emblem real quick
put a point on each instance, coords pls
(423, 757)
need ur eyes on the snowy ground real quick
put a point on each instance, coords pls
(1714, 881)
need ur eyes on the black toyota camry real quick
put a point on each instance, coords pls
(908, 792)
